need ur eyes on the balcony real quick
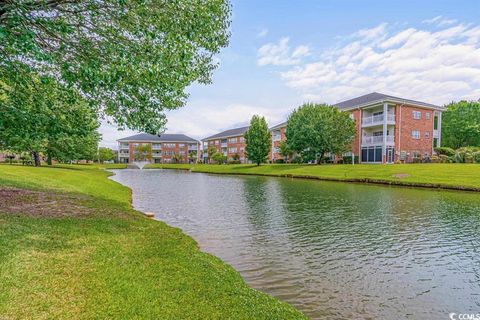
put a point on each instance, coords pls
(224, 145)
(376, 140)
(377, 120)
(436, 134)
(156, 147)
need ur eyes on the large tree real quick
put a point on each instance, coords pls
(131, 60)
(105, 154)
(461, 124)
(258, 140)
(43, 118)
(314, 130)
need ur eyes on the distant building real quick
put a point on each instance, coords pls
(166, 148)
(231, 143)
(278, 135)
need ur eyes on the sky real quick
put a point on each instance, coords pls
(284, 53)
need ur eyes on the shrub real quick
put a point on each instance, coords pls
(348, 160)
(417, 160)
(297, 159)
(234, 162)
(476, 156)
(445, 151)
(435, 159)
(279, 161)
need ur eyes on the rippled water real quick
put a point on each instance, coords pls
(334, 250)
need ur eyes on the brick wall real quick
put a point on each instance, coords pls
(404, 141)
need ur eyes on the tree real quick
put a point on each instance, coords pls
(45, 118)
(258, 140)
(131, 60)
(192, 156)
(219, 158)
(105, 154)
(316, 129)
(211, 150)
(461, 124)
(285, 151)
(143, 152)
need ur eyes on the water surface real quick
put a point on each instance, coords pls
(333, 250)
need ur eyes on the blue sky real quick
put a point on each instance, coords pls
(284, 53)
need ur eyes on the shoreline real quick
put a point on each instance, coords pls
(363, 180)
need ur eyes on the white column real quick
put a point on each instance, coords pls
(439, 129)
(385, 116)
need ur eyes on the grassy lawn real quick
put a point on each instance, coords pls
(71, 247)
(445, 175)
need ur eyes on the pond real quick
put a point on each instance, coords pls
(334, 250)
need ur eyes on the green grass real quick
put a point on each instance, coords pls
(438, 175)
(105, 260)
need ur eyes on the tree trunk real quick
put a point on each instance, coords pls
(321, 158)
(49, 158)
(36, 158)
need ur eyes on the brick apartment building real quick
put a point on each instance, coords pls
(278, 135)
(391, 128)
(165, 148)
(230, 142)
(388, 129)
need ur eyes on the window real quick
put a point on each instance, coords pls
(232, 150)
(242, 139)
(415, 134)
(217, 141)
(417, 115)
(416, 155)
(427, 135)
(232, 140)
(427, 115)
(182, 153)
(181, 145)
(169, 145)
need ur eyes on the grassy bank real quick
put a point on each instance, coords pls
(71, 247)
(438, 175)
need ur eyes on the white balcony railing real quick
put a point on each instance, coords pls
(377, 139)
(224, 145)
(378, 119)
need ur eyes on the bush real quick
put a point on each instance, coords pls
(348, 160)
(234, 162)
(445, 151)
(417, 160)
(476, 157)
(297, 159)
(279, 161)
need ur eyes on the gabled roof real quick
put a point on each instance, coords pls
(161, 138)
(278, 126)
(229, 133)
(375, 97)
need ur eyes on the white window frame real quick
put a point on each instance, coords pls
(416, 134)
(417, 115)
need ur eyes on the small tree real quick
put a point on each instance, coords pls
(219, 158)
(143, 152)
(316, 129)
(258, 141)
(211, 150)
(105, 154)
(285, 151)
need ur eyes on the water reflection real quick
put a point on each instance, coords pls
(333, 250)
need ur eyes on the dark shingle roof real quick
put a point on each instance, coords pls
(280, 125)
(162, 138)
(379, 97)
(229, 133)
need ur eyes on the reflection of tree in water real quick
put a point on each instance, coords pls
(255, 191)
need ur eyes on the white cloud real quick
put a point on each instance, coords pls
(262, 33)
(280, 54)
(440, 21)
(435, 66)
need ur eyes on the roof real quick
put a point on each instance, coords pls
(159, 138)
(229, 133)
(375, 97)
(280, 125)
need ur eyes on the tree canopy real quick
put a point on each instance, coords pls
(316, 129)
(131, 60)
(258, 140)
(461, 124)
(45, 118)
(105, 154)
